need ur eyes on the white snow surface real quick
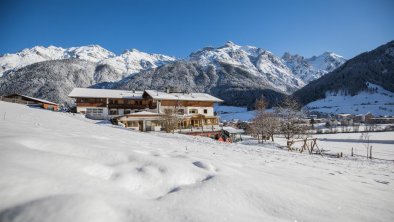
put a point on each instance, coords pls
(375, 100)
(158, 95)
(129, 62)
(63, 167)
(104, 93)
(233, 113)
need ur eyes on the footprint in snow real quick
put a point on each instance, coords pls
(204, 166)
(382, 182)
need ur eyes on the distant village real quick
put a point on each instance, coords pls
(193, 114)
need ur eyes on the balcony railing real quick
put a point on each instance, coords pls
(118, 106)
(130, 106)
(92, 104)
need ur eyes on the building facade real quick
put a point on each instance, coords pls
(145, 110)
(30, 101)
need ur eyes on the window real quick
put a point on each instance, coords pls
(132, 123)
(193, 111)
(113, 112)
(127, 111)
(94, 112)
(181, 112)
(205, 111)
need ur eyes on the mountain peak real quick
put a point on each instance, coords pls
(231, 44)
(130, 51)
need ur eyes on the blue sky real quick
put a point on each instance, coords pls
(306, 27)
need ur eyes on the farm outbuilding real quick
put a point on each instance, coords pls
(30, 101)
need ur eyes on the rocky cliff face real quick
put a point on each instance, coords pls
(309, 69)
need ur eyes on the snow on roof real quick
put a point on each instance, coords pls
(37, 99)
(233, 130)
(111, 93)
(344, 114)
(104, 93)
(182, 96)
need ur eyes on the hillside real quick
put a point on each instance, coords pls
(53, 80)
(62, 167)
(375, 100)
(376, 67)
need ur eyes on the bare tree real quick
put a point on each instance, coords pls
(365, 140)
(170, 118)
(271, 122)
(265, 124)
(290, 118)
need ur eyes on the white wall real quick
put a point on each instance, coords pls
(83, 109)
(200, 110)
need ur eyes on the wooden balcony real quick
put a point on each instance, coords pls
(92, 104)
(131, 106)
(118, 106)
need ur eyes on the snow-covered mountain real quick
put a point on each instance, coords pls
(129, 62)
(349, 85)
(237, 74)
(309, 69)
(54, 79)
(257, 61)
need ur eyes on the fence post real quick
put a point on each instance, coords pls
(352, 151)
(367, 153)
(370, 152)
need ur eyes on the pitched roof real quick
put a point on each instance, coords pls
(104, 93)
(126, 94)
(35, 99)
(182, 96)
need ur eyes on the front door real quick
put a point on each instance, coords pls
(141, 125)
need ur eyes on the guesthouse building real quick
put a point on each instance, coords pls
(144, 110)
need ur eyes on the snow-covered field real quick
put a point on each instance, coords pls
(379, 102)
(60, 167)
(382, 144)
(230, 113)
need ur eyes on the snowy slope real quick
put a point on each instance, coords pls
(60, 167)
(257, 61)
(232, 113)
(129, 62)
(309, 69)
(375, 100)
